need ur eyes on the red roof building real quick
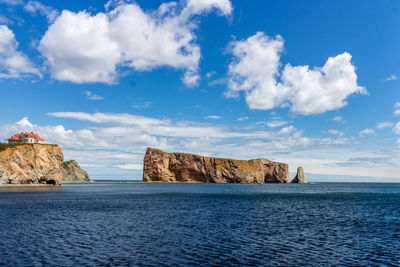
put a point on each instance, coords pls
(25, 138)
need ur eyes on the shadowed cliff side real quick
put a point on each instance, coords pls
(30, 164)
(72, 173)
(180, 167)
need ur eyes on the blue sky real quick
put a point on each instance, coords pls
(312, 84)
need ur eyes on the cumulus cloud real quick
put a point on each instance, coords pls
(255, 70)
(366, 131)
(85, 48)
(34, 7)
(13, 63)
(383, 125)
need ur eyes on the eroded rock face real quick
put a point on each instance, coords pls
(299, 178)
(180, 167)
(31, 164)
(72, 173)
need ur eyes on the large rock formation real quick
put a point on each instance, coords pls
(299, 178)
(179, 167)
(72, 173)
(30, 164)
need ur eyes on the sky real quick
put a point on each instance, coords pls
(309, 83)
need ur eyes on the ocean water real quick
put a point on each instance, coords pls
(130, 224)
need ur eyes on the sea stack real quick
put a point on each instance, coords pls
(160, 166)
(299, 178)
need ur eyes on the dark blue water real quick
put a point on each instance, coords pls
(120, 224)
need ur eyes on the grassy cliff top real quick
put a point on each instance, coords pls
(67, 163)
(4, 146)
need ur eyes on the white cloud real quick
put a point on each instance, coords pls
(24, 122)
(335, 132)
(85, 48)
(12, 2)
(5, 20)
(366, 131)
(276, 123)
(242, 118)
(213, 117)
(337, 118)
(383, 125)
(121, 118)
(91, 96)
(210, 74)
(113, 145)
(130, 166)
(396, 128)
(396, 109)
(78, 48)
(255, 70)
(392, 77)
(200, 6)
(13, 64)
(37, 7)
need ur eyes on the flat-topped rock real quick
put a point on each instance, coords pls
(160, 166)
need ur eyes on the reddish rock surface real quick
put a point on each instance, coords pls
(180, 167)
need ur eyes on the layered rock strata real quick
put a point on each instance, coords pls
(72, 173)
(31, 164)
(180, 167)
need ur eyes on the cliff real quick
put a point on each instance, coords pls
(72, 173)
(180, 167)
(30, 164)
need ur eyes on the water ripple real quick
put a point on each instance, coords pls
(219, 225)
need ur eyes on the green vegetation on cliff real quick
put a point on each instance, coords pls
(4, 146)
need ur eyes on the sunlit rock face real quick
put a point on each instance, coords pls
(73, 173)
(299, 178)
(31, 164)
(180, 167)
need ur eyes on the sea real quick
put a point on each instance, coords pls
(120, 223)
